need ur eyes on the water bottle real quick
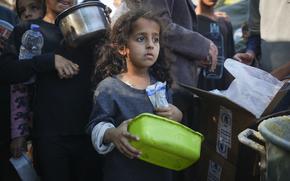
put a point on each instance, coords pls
(31, 45)
(217, 38)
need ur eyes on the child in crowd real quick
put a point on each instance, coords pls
(130, 63)
(61, 107)
(20, 93)
(241, 45)
(205, 17)
(30, 9)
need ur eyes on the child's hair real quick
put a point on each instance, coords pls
(41, 2)
(111, 62)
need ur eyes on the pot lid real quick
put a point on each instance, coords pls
(276, 130)
(76, 7)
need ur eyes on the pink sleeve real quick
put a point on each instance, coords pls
(20, 111)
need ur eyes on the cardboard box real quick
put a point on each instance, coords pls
(222, 120)
(213, 167)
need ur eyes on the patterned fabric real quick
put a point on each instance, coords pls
(20, 110)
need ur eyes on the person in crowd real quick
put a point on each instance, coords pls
(241, 45)
(252, 51)
(273, 43)
(186, 48)
(130, 62)
(61, 107)
(268, 38)
(30, 9)
(21, 94)
(7, 171)
(206, 17)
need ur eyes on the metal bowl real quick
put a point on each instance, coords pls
(83, 23)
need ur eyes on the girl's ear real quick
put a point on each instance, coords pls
(122, 51)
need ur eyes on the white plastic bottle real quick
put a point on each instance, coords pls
(31, 45)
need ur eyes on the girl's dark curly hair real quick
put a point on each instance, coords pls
(111, 62)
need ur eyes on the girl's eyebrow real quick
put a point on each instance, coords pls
(145, 33)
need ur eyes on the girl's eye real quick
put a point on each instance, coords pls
(21, 11)
(34, 7)
(140, 39)
(156, 40)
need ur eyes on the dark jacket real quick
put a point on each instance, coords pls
(60, 106)
(10, 17)
(186, 45)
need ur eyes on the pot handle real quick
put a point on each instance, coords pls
(244, 138)
(107, 9)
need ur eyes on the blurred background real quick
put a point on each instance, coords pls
(236, 10)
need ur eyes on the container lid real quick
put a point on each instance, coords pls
(276, 130)
(76, 7)
(6, 25)
(35, 27)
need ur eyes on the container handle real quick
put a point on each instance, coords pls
(244, 138)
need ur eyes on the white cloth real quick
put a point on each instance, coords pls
(275, 34)
(98, 136)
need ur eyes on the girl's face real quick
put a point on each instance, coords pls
(143, 44)
(29, 9)
(57, 6)
(209, 3)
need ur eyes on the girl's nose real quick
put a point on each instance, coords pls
(150, 44)
(27, 15)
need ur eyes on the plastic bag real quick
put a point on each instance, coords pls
(157, 94)
(24, 168)
(252, 88)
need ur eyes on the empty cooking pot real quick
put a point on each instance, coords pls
(275, 155)
(84, 22)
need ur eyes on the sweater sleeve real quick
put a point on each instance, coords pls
(97, 137)
(103, 109)
(14, 71)
(20, 110)
(194, 46)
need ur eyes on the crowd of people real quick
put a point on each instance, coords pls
(77, 111)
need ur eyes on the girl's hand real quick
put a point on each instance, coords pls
(120, 137)
(170, 112)
(17, 146)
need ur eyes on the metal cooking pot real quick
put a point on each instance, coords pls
(84, 22)
(275, 155)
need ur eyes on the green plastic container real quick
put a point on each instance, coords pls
(164, 142)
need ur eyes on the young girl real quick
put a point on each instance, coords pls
(20, 93)
(129, 64)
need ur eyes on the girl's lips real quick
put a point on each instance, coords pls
(149, 55)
